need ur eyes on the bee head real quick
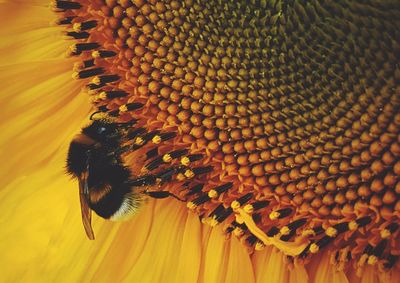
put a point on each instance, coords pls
(98, 134)
(102, 132)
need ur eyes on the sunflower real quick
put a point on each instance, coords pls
(278, 120)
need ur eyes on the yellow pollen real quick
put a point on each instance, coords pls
(372, 260)
(235, 205)
(353, 225)
(77, 66)
(180, 177)
(167, 158)
(189, 173)
(96, 54)
(362, 260)
(156, 139)
(308, 232)
(385, 233)
(102, 95)
(284, 230)
(75, 75)
(123, 108)
(185, 161)
(314, 248)
(237, 232)
(73, 48)
(259, 246)
(213, 222)
(331, 232)
(96, 80)
(76, 27)
(274, 215)
(191, 205)
(213, 194)
(248, 208)
(139, 141)
(360, 264)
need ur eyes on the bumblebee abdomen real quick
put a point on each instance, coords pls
(107, 173)
(119, 202)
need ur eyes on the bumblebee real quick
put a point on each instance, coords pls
(106, 185)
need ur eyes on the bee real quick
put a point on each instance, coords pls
(106, 184)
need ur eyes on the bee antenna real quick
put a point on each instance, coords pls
(124, 124)
(94, 113)
(162, 194)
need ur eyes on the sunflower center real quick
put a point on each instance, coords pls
(281, 117)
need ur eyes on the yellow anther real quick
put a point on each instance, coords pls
(353, 225)
(331, 232)
(308, 232)
(285, 230)
(96, 54)
(185, 161)
(372, 260)
(259, 246)
(123, 108)
(191, 205)
(73, 48)
(235, 205)
(385, 233)
(248, 208)
(156, 140)
(213, 222)
(314, 248)
(360, 264)
(180, 177)
(237, 232)
(213, 194)
(90, 91)
(362, 260)
(102, 95)
(77, 27)
(239, 219)
(274, 215)
(96, 80)
(189, 173)
(139, 141)
(77, 66)
(75, 75)
(167, 157)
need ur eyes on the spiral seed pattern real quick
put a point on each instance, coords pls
(286, 113)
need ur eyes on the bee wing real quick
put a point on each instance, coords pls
(85, 209)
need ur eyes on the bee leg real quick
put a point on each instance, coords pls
(151, 180)
(148, 180)
(162, 194)
(166, 175)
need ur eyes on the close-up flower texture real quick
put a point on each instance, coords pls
(239, 141)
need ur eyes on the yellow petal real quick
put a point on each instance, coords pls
(271, 266)
(260, 259)
(215, 258)
(321, 270)
(239, 266)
